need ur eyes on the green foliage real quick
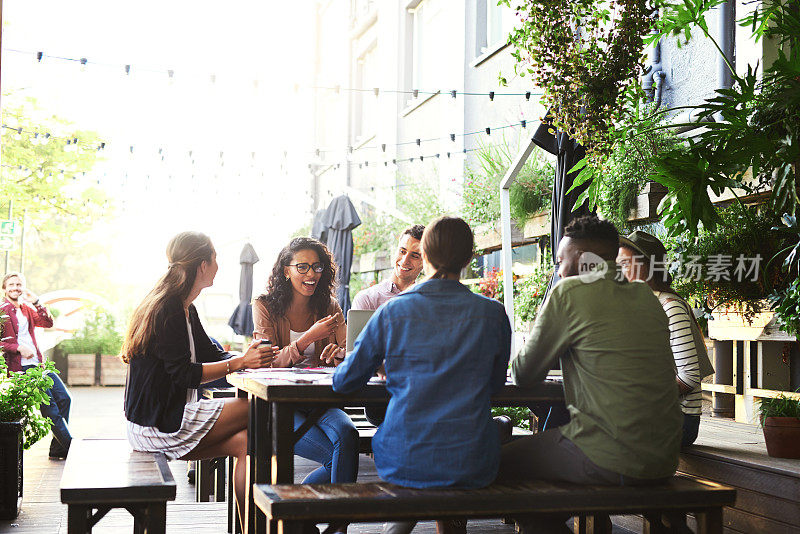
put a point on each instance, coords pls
(21, 394)
(98, 335)
(530, 193)
(39, 173)
(586, 80)
(759, 131)
(640, 143)
(780, 406)
(303, 231)
(786, 304)
(521, 417)
(529, 291)
(742, 231)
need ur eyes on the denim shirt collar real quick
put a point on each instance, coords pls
(438, 285)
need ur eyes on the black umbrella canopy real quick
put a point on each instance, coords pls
(242, 319)
(340, 218)
(568, 153)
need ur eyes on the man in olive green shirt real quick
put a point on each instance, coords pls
(619, 377)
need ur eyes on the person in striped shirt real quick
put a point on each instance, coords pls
(643, 258)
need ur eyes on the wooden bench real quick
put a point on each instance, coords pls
(291, 505)
(101, 474)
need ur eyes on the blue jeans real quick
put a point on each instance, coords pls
(332, 442)
(58, 412)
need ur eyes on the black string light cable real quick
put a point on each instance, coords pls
(453, 136)
(48, 136)
(395, 161)
(127, 68)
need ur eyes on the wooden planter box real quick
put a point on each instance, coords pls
(81, 369)
(112, 370)
(10, 469)
(731, 325)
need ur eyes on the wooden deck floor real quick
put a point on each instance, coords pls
(97, 412)
(768, 489)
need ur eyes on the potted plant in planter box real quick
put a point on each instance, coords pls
(21, 425)
(97, 343)
(780, 419)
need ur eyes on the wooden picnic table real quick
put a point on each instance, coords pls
(274, 395)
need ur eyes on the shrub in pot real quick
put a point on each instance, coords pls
(21, 425)
(780, 419)
(97, 336)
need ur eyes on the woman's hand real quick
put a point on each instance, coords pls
(258, 356)
(324, 328)
(332, 354)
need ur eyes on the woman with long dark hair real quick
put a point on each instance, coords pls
(298, 314)
(162, 347)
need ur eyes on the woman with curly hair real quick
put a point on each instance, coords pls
(298, 314)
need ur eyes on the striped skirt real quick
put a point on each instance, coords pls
(198, 418)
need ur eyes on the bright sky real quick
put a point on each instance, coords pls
(233, 196)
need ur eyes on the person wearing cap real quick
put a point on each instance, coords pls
(643, 258)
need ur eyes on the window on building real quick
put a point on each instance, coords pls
(498, 23)
(427, 39)
(366, 105)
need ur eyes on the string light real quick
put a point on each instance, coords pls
(84, 62)
(419, 141)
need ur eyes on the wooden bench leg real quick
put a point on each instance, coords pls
(593, 524)
(202, 480)
(709, 521)
(150, 518)
(220, 472)
(291, 527)
(79, 519)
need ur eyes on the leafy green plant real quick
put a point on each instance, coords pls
(780, 406)
(98, 335)
(786, 304)
(529, 291)
(21, 394)
(39, 169)
(380, 232)
(786, 301)
(742, 232)
(631, 163)
(520, 417)
(531, 192)
(586, 56)
(756, 125)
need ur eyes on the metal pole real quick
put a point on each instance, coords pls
(10, 213)
(22, 242)
(505, 225)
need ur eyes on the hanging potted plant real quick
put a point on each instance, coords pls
(780, 419)
(21, 425)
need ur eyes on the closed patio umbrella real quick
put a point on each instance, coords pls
(242, 319)
(568, 152)
(340, 219)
